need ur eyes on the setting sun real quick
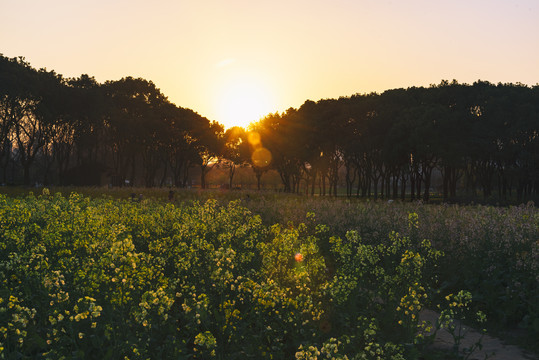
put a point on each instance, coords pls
(241, 102)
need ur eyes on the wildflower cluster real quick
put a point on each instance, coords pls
(493, 251)
(134, 280)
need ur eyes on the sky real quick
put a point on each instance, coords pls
(235, 61)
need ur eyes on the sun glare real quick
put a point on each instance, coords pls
(242, 102)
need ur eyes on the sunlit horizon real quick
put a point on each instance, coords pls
(240, 97)
(237, 61)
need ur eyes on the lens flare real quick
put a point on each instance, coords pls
(254, 139)
(261, 157)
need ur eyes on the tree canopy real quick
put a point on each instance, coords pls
(480, 139)
(482, 136)
(81, 128)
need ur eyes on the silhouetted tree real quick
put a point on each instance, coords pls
(209, 146)
(235, 151)
(478, 137)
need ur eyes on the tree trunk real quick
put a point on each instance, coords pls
(258, 178)
(403, 186)
(446, 177)
(231, 173)
(26, 176)
(203, 176)
(412, 187)
(427, 174)
(313, 182)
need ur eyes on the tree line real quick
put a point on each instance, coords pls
(480, 139)
(69, 130)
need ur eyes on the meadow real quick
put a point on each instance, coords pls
(235, 275)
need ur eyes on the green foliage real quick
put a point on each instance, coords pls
(148, 279)
(118, 278)
(457, 310)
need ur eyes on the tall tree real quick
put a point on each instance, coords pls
(235, 151)
(14, 91)
(134, 127)
(209, 146)
(33, 125)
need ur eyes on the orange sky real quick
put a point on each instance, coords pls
(214, 56)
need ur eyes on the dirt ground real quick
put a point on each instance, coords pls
(493, 348)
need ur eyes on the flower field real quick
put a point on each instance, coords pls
(262, 276)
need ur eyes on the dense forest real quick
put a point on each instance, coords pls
(481, 140)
